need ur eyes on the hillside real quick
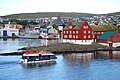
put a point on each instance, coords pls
(115, 13)
(53, 14)
(47, 14)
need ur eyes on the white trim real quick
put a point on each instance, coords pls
(84, 32)
(85, 27)
(82, 42)
(89, 36)
(76, 32)
(84, 36)
(116, 44)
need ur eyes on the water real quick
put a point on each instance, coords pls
(12, 45)
(68, 67)
(100, 65)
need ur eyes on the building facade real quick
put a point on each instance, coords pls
(78, 33)
(9, 32)
(110, 38)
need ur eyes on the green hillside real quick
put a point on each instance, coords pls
(47, 14)
(53, 14)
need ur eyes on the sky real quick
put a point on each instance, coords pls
(32, 6)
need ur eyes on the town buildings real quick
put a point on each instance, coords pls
(9, 31)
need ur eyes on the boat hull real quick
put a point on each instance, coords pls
(38, 61)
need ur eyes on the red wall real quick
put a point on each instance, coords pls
(98, 33)
(115, 38)
(80, 34)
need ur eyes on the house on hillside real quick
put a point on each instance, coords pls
(110, 38)
(78, 33)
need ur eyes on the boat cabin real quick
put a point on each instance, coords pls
(37, 56)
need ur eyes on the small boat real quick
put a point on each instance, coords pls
(38, 57)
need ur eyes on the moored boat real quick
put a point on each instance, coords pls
(38, 57)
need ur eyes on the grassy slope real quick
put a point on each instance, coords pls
(47, 14)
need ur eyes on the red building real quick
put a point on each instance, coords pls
(78, 33)
(110, 38)
(97, 34)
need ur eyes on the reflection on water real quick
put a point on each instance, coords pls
(27, 42)
(34, 65)
(87, 57)
(100, 65)
(12, 44)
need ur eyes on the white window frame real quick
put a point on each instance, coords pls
(73, 32)
(65, 36)
(76, 36)
(84, 32)
(64, 31)
(70, 32)
(89, 32)
(84, 36)
(70, 27)
(70, 36)
(67, 32)
(88, 36)
(73, 36)
(76, 32)
(98, 32)
(85, 27)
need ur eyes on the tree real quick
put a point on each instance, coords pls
(43, 26)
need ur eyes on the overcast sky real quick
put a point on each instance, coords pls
(85, 6)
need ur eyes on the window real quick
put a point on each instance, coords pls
(70, 32)
(65, 36)
(76, 36)
(85, 36)
(70, 27)
(67, 32)
(76, 32)
(70, 36)
(89, 36)
(98, 32)
(89, 32)
(85, 27)
(73, 32)
(84, 32)
(64, 31)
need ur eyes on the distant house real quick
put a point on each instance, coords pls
(59, 21)
(110, 38)
(53, 33)
(8, 31)
(18, 26)
(78, 33)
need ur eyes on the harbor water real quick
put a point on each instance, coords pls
(102, 65)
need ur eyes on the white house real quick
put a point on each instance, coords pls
(7, 31)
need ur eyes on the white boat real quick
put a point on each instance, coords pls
(38, 57)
